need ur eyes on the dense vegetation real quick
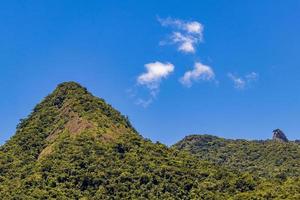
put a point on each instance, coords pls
(75, 146)
(269, 158)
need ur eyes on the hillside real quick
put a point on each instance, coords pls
(270, 158)
(76, 146)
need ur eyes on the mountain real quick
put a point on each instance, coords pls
(75, 146)
(277, 158)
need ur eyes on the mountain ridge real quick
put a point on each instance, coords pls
(265, 158)
(76, 146)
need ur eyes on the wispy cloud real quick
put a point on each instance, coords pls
(253, 76)
(200, 72)
(186, 43)
(191, 27)
(186, 34)
(144, 102)
(241, 83)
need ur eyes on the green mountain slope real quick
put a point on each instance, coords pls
(270, 159)
(75, 146)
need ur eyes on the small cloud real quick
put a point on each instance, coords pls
(241, 83)
(200, 72)
(186, 43)
(156, 71)
(192, 27)
(185, 34)
(151, 79)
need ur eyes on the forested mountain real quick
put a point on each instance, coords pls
(276, 158)
(75, 146)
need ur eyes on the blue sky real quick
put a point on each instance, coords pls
(225, 68)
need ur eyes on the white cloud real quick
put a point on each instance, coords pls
(194, 27)
(243, 82)
(151, 79)
(156, 71)
(186, 43)
(185, 34)
(200, 72)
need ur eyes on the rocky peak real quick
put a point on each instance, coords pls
(278, 135)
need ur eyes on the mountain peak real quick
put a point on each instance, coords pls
(278, 135)
(70, 89)
(69, 111)
(64, 95)
(70, 85)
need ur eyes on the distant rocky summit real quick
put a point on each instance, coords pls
(278, 135)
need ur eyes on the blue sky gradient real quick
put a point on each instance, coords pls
(104, 45)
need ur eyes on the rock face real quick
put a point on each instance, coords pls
(278, 135)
